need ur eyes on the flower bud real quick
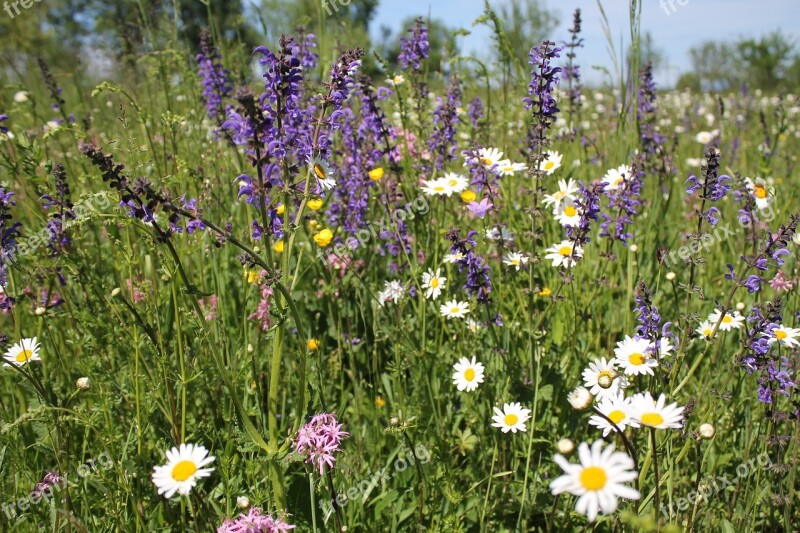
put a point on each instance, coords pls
(706, 431)
(565, 446)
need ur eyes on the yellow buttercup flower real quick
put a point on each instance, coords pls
(252, 275)
(280, 209)
(323, 238)
(379, 402)
(545, 292)
(313, 344)
(315, 204)
(376, 174)
(278, 246)
(468, 196)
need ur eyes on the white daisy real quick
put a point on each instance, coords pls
(473, 325)
(565, 253)
(785, 336)
(580, 398)
(392, 291)
(706, 328)
(567, 190)
(454, 309)
(515, 259)
(437, 187)
(468, 374)
(618, 409)
(507, 168)
(184, 467)
(597, 480)
(632, 356)
(615, 177)
(665, 347)
(433, 283)
(322, 171)
(567, 213)
(397, 80)
(731, 320)
(551, 163)
(603, 380)
(512, 418)
(760, 191)
(455, 182)
(24, 352)
(489, 157)
(453, 258)
(704, 137)
(656, 414)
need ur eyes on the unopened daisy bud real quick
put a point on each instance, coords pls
(740, 306)
(115, 292)
(565, 446)
(83, 383)
(250, 348)
(605, 381)
(671, 276)
(243, 502)
(394, 421)
(580, 398)
(706, 431)
(633, 248)
(39, 311)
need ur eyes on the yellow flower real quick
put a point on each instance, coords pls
(323, 238)
(379, 402)
(313, 225)
(313, 344)
(315, 204)
(280, 209)
(252, 275)
(544, 293)
(468, 196)
(278, 246)
(376, 174)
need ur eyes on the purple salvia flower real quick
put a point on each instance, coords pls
(414, 49)
(623, 204)
(443, 143)
(215, 79)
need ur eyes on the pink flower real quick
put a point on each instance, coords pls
(319, 439)
(209, 307)
(262, 312)
(254, 522)
(780, 283)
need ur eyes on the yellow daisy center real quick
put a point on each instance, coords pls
(485, 161)
(469, 374)
(727, 319)
(434, 282)
(565, 251)
(514, 262)
(452, 183)
(593, 478)
(455, 310)
(24, 355)
(570, 211)
(616, 416)
(618, 180)
(760, 192)
(319, 170)
(652, 419)
(184, 470)
(605, 378)
(511, 419)
(438, 188)
(636, 359)
(780, 334)
(549, 165)
(559, 195)
(707, 332)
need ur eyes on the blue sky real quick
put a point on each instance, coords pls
(691, 22)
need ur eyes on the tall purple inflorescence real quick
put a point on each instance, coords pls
(60, 208)
(443, 143)
(623, 204)
(215, 79)
(414, 48)
(479, 280)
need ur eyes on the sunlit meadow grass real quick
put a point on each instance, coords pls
(245, 333)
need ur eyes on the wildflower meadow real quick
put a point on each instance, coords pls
(261, 271)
